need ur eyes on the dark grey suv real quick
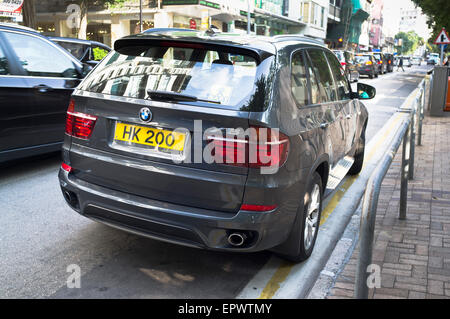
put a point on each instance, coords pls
(214, 141)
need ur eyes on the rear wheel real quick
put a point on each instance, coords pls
(307, 229)
(359, 155)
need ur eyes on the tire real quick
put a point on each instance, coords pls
(359, 155)
(308, 220)
(371, 76)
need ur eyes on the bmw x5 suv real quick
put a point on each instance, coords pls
(213, 141)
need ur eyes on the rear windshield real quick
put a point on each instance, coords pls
(377, 56)
(362, 58)
(224, 78)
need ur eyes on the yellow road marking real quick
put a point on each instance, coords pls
(285, 268)
(274, 283)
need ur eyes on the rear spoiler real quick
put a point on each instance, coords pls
(134, 44)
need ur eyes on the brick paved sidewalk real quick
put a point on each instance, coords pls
(414, 254)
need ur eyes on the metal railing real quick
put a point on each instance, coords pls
(406, 133)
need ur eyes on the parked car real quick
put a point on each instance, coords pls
(347, 60)
(433, 59)
(417, 60)
(367, 65)
(86, 51)
(390, 62)
(381, 61)
(137, 165)
(37, 78)
(407, 61)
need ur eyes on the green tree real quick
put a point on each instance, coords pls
(438, 12)
(410, 41)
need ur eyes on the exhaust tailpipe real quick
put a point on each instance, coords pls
(237, 239)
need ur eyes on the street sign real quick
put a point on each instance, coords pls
(11, 8)
(442, 38)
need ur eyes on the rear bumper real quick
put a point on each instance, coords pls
(194, 227)
(366, 71)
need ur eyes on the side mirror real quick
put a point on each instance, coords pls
(86, 69)
(365, 91)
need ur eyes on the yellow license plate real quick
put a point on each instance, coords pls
(144, 135)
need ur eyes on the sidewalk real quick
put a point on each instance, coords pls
(414, 254)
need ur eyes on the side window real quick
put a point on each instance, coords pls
(39, 58)
(342, 86)
(323, 75)
(299, 83)
(4, 67)
(76, 49)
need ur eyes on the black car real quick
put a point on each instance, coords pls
(216, 141)
(367, 65)
(86, 51)
(347, 60)
(37, 78)
(382, 62)
(390, 62)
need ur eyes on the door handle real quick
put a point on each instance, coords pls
(42, 88)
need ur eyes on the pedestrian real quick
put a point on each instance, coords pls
(400, 64)
(446, 62)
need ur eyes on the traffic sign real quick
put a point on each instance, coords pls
(442, 38)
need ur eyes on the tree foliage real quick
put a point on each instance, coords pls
(410, 42)
(438, 12)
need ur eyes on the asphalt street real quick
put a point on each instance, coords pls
(40, 236)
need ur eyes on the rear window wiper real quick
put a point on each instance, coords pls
(173, 96)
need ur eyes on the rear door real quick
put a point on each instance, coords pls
(15, 104)
(344, 98)
(132, 146)
(50, 76)
(327, 95)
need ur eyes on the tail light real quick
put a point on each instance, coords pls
(264, 147)
(79, 125)
(369, 63)
(66, 167)
(258, 208)
(389, 61)
(379, 62)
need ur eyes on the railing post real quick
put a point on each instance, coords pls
(404, 173)
(421, 112)
(366, 230)
(412, 144)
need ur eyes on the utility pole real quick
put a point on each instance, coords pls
(248, 17)
(140, 17)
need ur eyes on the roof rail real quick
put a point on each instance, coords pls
(17, 26)
(298, 37)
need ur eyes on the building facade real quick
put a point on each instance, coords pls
(349, 31)
(106, 24)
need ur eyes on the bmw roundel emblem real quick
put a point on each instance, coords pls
(145, 114)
